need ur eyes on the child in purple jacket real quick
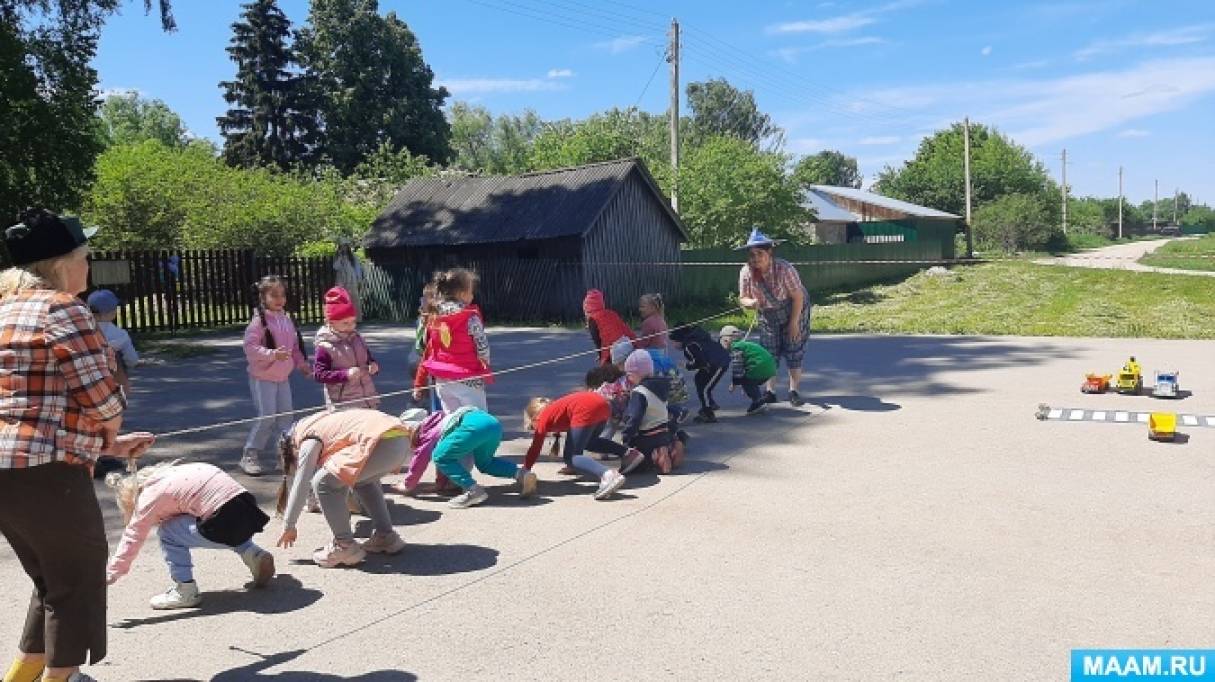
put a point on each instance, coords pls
(344, 364)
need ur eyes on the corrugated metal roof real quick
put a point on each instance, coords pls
(884, 202)
(481, 210)
(826, 210)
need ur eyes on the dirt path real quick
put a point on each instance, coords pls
(1121, 257)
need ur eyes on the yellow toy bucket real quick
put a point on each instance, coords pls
(1162, 425)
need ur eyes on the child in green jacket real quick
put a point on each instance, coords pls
(752, 366)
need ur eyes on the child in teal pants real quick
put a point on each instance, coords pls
(466, 432)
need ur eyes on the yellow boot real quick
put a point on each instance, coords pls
(24, 671)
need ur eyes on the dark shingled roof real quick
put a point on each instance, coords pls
(485, 210)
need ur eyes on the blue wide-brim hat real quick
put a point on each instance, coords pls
(758, 238)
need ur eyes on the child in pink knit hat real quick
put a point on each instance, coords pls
(344, 364)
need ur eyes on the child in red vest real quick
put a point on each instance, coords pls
(605, 325)
(457, 349)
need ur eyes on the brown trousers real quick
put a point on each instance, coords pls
(50, 516)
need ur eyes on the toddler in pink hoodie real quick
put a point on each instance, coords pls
(191, 506)
(273, 347)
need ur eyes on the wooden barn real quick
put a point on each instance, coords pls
(538, 241)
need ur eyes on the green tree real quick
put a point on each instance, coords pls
(720, 109)
(151, 196)
(375, 87)
(1087, 216)
(1200, 215)
(934, 178)
(728, 186)
(49, 135)
(606, 136)
(481, 142)
(272, 119)
(828, 167)
(127, 118)
(1015, 222)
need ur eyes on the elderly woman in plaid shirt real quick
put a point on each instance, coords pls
(774, 289)
(60, 408)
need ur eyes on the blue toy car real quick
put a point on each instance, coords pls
(1166, 385)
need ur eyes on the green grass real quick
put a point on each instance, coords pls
(1189, 254)
(1018, 298)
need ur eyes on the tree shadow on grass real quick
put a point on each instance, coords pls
(255, 671)
(284, 594)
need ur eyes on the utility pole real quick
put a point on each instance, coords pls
(970, 241)
(1175, 191)
(1064, 191)
(1120, 202)
(673, 58)
(1155, 204)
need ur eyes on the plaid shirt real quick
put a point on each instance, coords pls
(783, 280)
(56, 382)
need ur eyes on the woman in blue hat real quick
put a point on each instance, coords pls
(772, 287)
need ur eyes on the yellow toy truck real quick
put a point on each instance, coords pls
(1130, 378)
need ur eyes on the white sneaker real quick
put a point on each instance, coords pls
(261, 565)
(469, 498)
(384, 543)
(337, 554)
(250, 464)
(180, 596)
(527, 482)
(609, 484)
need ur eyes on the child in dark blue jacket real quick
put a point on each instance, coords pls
(709, 360)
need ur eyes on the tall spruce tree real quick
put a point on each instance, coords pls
(272, 121)
(376, 88)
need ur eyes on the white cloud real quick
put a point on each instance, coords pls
(621, 44)
(805, 145)
(832, 25)
(1183, 35)
(842, 23)
(470, 86)
(1040, 111)
(985, 51)
(1134, 132)
(880, 140)
(791, 54)
(560, 73)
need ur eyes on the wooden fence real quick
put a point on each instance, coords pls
(198, 289)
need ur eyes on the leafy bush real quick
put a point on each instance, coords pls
(1015, 222)
(151, 196)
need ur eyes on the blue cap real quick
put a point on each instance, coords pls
(758, 238)
(104, 301)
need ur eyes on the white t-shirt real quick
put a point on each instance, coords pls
(120, 341)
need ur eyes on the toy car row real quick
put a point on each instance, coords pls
(1129, 381)
(1162, 426)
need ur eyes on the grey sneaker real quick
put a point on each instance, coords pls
(795, 399)
(260, 564)
(79, 677)
(469, 498)
(527, 482)
(609, 484)
(180, 596)
(250, 463)
(632, 459)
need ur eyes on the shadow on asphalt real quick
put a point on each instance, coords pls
(284, 594)
(426, 560)
(855, 403)
(254, 671)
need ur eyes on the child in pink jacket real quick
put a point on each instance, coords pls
(191, 506)
(273, 347)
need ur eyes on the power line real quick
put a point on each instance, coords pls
(661, 60)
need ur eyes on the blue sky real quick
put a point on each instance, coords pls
(1115, 82)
